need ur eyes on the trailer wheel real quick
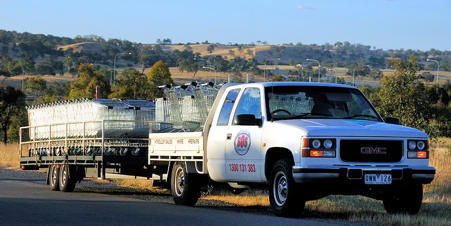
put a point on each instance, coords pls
(185, 187)
(284, 199)
(54, 178)
(66, 182)
(404, 200)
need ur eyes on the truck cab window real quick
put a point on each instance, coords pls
(227, 106)
(250, 103)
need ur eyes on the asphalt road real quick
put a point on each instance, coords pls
(30, 202)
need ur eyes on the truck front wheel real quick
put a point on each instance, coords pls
(284, 199)
(185, 187)
(404, 200)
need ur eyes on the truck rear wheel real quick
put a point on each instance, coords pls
(66, 182)
(284, 199)
(185, 187)
(54, 178)
(404, 200)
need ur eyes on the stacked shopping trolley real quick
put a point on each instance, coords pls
(83, 118)
(185, 107)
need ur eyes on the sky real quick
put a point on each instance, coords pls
(384, 24)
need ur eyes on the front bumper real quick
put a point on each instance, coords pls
(338, 174)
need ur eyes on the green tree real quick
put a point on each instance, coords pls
(376, 74)
(14, 68)
(57, 89)
(159, 74)
(36, 84)
(211, 48)
(50, 67)
(28, 64)
(249, 52)
(85, 86)
(231, 52)
(404, 95)
(189, 66)
(277, 78)
(12, 104)
(130, 84)
(362, 68)
(240, 49)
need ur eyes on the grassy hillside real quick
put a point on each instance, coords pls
(89, 47)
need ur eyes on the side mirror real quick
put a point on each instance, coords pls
(392, 120)
(247, 120)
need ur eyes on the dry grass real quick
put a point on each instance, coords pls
(440, 158)
(9, 156)
(16, 81)
(247, 198)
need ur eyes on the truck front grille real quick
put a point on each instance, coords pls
(371, 150)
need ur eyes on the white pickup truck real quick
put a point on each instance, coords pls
(302, 141)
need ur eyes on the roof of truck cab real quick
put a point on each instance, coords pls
(318, 84)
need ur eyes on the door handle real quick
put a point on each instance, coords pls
(229, 136)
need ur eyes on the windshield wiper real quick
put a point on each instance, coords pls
(311, 114)
(356, 116)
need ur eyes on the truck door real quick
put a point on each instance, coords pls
(243, 155)
(217, 137)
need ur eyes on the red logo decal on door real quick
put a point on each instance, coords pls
(242, 142)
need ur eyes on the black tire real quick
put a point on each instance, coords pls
(66, 182)
(54, 178)
(185, 187)
(284, 199)
(404, 200)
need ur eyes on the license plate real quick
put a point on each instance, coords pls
(378, 178)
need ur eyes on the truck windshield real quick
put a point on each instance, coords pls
(298, 102)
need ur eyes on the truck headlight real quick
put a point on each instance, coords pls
(421, 145)
(328, 144)
(316, 143)
(412, 145)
